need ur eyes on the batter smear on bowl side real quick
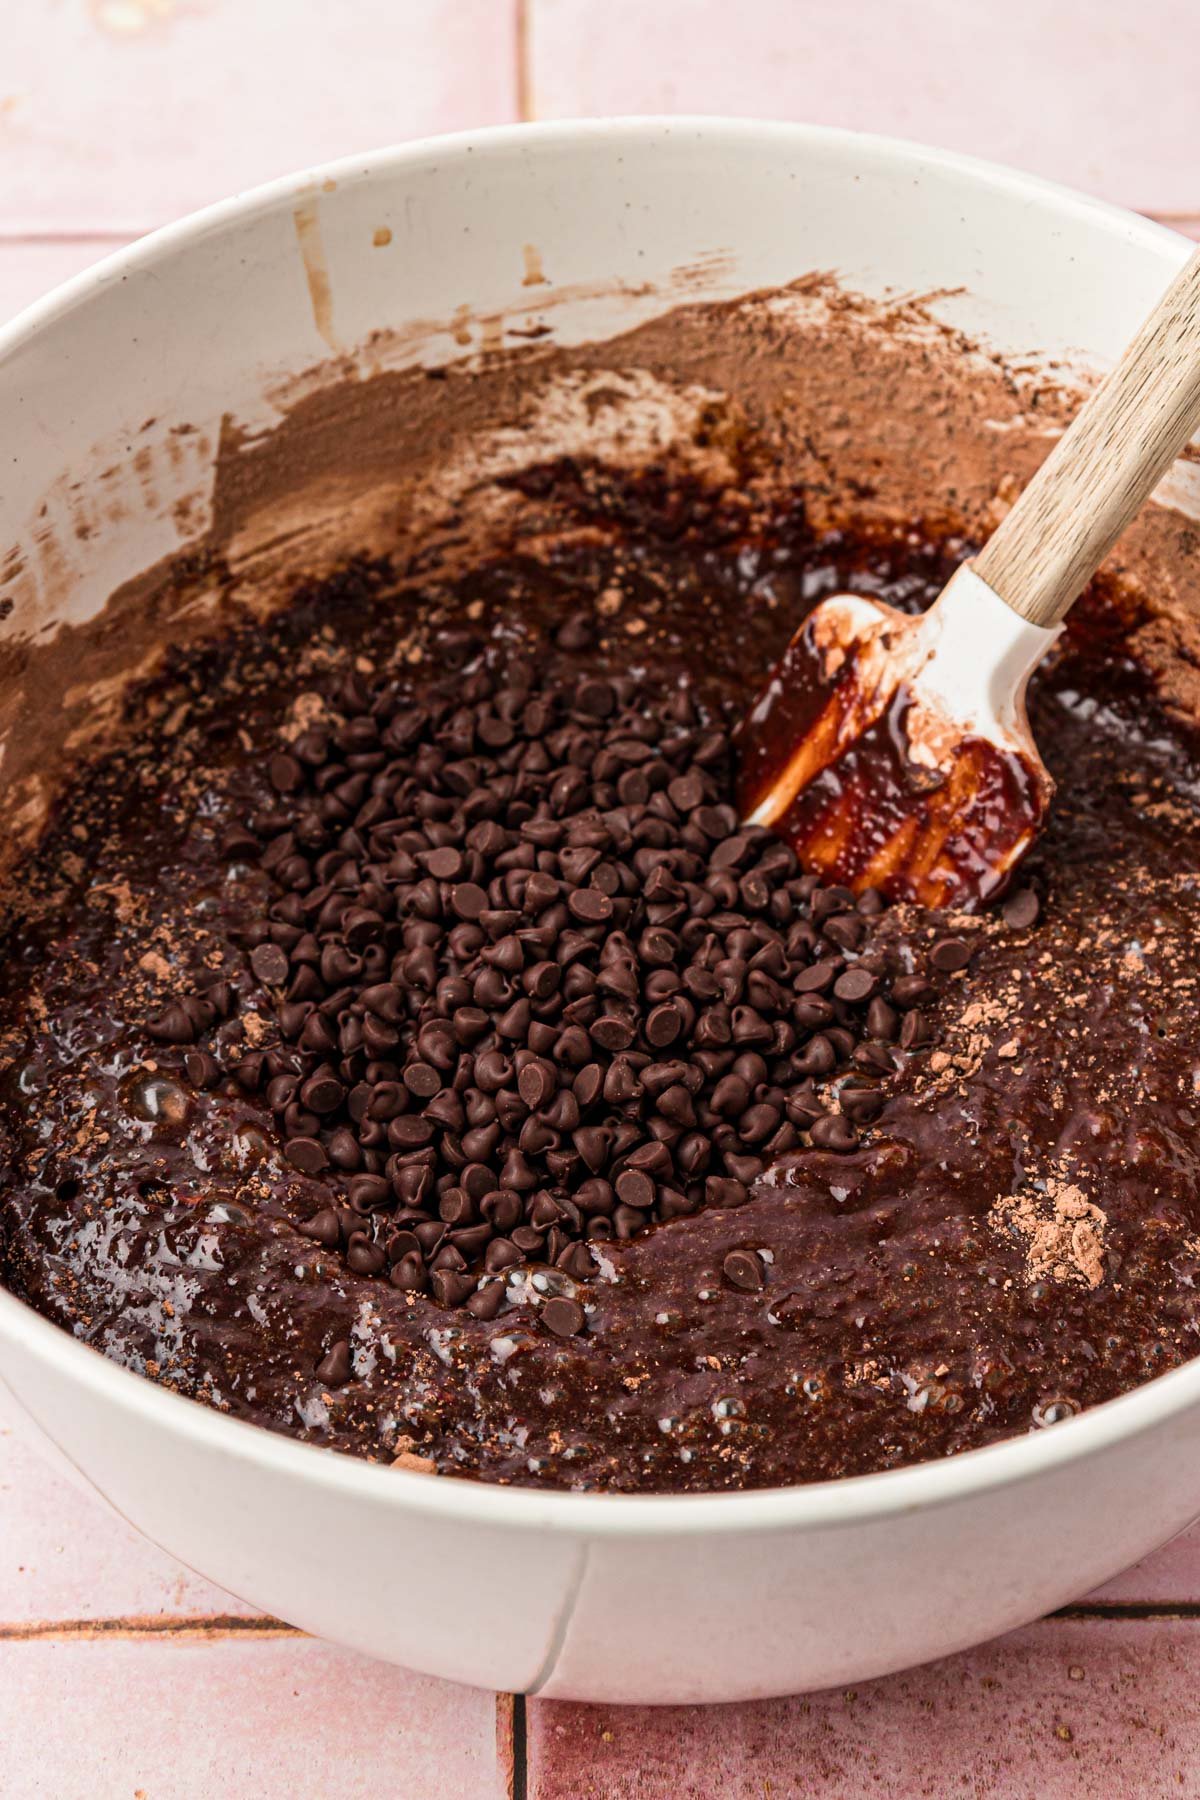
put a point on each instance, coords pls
(406, 1048)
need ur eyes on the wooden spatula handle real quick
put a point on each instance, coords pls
(1104, 466)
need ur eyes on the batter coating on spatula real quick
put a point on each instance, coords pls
(877, 752)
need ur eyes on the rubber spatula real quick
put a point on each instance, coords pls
(894, 752)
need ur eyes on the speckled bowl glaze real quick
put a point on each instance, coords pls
(589, 1596)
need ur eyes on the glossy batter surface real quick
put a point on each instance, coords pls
(1014, 1236)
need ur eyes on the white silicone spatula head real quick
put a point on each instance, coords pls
(894, 752)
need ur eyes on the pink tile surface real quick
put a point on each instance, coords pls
(185, 1719)
(120, 114)
(65, 1556)
(1170, 1576)
(1068, 1710)
(1043, 86)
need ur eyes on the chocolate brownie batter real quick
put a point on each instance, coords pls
(404, 1047)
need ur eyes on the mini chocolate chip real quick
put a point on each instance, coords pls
(813, 1011)
(635, 1188)
(855, 984)
(445, 865)
(537, 1084)
(818, 1056)
(422, 1080)
(816, 978)
(1021, 909)
(322, 1093)
(911, 990)
(846, 930)
(501, 1254)
(720, 1191)
(744, 1270)
(730, 1097)
(269, 963)
(686, 792)
(653, 1159)
(364, 1257)
(467, 900)
(486, 1301)
(757, 1123)
(576, 1260)
(368, 1191)
(336, 1367)
(173, 1025)
(203, 1070)
(596, 698)
(613, 1033)
(344, 1150)
(306, 1153)
(451, 1288)
(284, 773)
(860, 1104)
(951, 953)
(565, 1318)
(833, 1132)
(239, 844)
(882, 1020)
(663, 1025)
(456, 1207)
(409, 1273)
(589, 905)
(803, 1107)
(402, 1243)
(323, 1228)
(575, 632)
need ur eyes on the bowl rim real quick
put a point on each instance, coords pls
(638, 131)
(846, 1501)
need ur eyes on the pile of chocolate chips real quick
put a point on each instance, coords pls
(534, 983)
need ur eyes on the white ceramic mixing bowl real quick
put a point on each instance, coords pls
(595, 1597)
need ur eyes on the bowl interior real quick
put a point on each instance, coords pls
(239, 400)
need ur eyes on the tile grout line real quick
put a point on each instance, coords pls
(1127, 1609)
(520, 1749)
(200, 1625)
(238, 1624)
(510, 1745)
